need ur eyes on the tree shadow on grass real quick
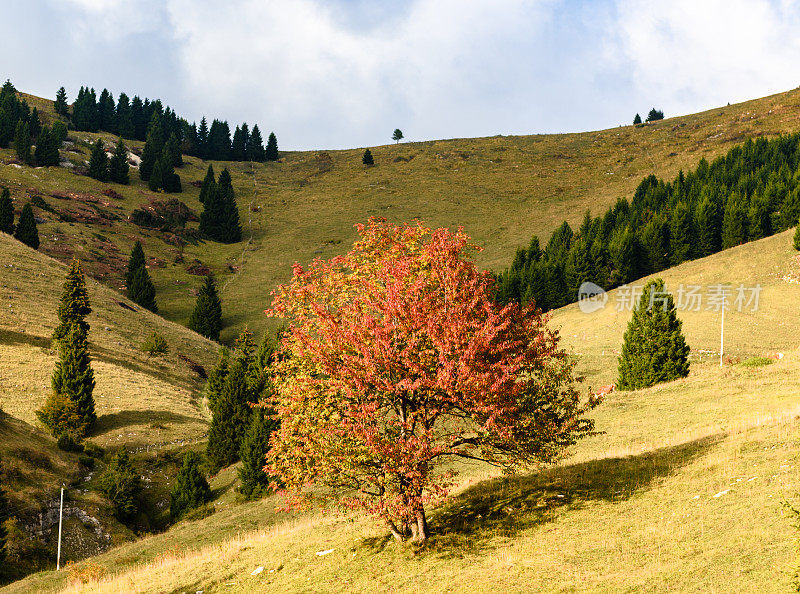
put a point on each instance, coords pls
(506, 506)
(11, 337)
(124, 418)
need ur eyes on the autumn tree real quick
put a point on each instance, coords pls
(396, 361)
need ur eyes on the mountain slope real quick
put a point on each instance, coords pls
(501, 189)
(682, 491)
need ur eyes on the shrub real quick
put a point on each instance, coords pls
(121, 485)
(86, 461)
(69, 443)
(86, 572)
(61, 416)
(93, 450)
(155, 344)
(756, 362)
(191, 489)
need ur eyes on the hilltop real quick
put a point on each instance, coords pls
(501, 189)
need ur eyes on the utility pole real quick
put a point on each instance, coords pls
(60, 519)
(722, 333)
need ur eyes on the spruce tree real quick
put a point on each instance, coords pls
(367, 159)
(170, 181)
(118, 168)
(156, 180)
(59, 133)
(238, 146)
(734, 223)
(135, 262)
(397, 135)
(759, 222)
(124, 118)
(231, 230)
(202, 139)
(637, 119)
(6, 212)
(708, 231)
(34, 123)
(255, 444)
(216, 379)
(153, 147)
(271, 152)
(682, 238)
(654, 348)
(73, 377)
(121, 485)
(206, 318)
(142, 291)
(231, 412)
(655, 240)
(255, 146)
(47, 148)
(173, 148)
(22, 143)
(190, 490)
(209, 185)
(26, 231)
(74, 305)
(60, 105)
(98, 162)
(106, 112)
(796, 240)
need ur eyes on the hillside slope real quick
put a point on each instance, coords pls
(143, 404)
(681, 492)
(501, 189)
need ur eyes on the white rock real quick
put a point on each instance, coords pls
(258, 570)
(721, 493)
(323, 553)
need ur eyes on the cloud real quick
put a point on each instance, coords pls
(686, 55)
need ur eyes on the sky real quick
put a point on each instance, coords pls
(345, 73)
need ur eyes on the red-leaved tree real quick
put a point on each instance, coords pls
(396, 361)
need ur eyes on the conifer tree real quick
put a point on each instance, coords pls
(106, 112)
(366, 158)
(397, 135)
(121, 484)
(118, 167)
(98, 162)
(734, 223)
(47, 148)
(209, 185)
(796, 239)
(759, 222)
(238, 146)
(190, 490)
(170, 181)
(231, 230)
(34, 124)
(73, 377)
(681, 232)
(74, 305)
(655, 240)
(255, 146)
(271, 152)
(173, 148)
(216, 379)
(202, 139)
(153, 147)
(142, 291)
(156, 181)
(206, 318)
(26, 231)
(135, 262)
(60, 105)
(637, 119)
(22, 143)
(654, 349)
(255, 444)
(708, 231)
(231, 413)
(124, 118)
(59, 133)
(6, 212)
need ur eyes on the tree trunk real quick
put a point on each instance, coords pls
(420, 526)
(393, 529)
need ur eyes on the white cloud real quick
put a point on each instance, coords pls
(299, 66)
(687, 55)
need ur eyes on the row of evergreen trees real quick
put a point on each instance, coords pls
(22, 126)
(653, 116)
(132, 118)
(25, 230)
(115, 169)
(750, 193)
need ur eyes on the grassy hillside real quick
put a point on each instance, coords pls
(145, 404)
(501, 189)
(682, 491)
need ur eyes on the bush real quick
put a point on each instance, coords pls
(121, 484)
(86, 461)
(93, 450)
(756, 362)
(155, 344)
(191, 489)
(61, 416)
(68, 443)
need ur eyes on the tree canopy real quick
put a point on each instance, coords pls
(389, 345)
